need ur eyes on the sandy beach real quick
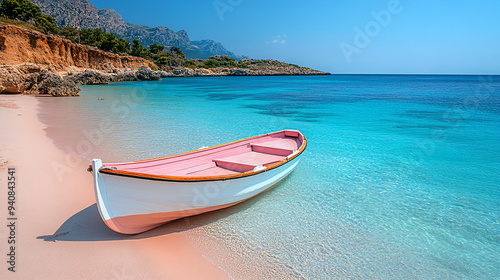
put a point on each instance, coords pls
(59, 233)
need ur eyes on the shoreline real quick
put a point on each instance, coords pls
(39, 64)
(43, 80)
(60, 233)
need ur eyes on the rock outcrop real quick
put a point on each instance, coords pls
(33, 79)
(147, 75)
(88, 77)
(55, 85)
(94, 77)
(16, 79)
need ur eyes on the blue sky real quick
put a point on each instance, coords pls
(378, 36)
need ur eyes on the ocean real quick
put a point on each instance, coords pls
(400, 179)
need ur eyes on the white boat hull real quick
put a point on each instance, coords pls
(132, 205)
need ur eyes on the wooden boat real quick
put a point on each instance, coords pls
(134, 197)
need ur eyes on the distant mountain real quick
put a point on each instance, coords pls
(82, 14)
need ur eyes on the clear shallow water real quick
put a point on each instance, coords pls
(401, 177)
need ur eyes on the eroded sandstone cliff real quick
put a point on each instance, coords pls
(36, 63)
(21, 45)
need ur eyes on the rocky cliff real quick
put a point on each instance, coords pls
(82, 14)
(21, 45)
(36, 63)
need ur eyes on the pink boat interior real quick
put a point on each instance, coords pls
(232, 158)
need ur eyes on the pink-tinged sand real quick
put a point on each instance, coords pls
(59, 232)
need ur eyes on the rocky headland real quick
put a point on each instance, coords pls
(37, 63)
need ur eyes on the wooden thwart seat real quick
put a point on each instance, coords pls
(247, 161)
(271, 150)
(292, 133)
(236, 166)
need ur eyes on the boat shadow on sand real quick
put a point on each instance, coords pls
(87, 224)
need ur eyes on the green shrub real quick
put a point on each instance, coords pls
(47, 24)
(162, 60)
(177, 53)
(189, 62)
(154, 48)
(108, 42)
(70, 33)
(20, 9)
(227, 58)
(242, 64)
(121, 46)
(98, 37)
(86, 36)
(211, 63)
(138, 50)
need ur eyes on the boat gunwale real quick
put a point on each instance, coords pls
(147, 176)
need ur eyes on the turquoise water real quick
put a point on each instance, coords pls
(400, 179)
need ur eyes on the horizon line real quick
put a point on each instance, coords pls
(416, 74)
